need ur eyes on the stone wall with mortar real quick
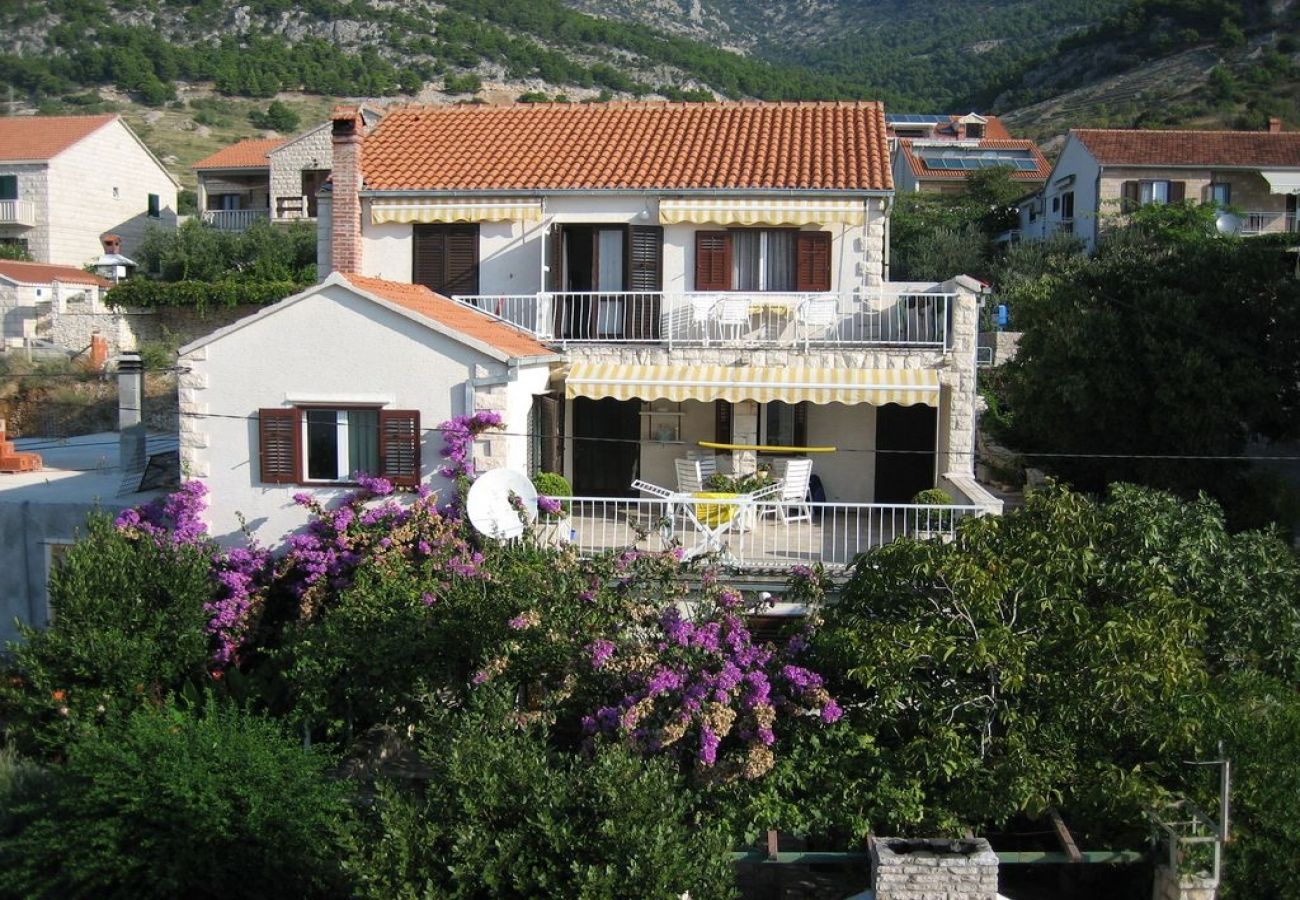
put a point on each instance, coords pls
(926, 875)
(127, 329)
(311, 151)
(1171, 885)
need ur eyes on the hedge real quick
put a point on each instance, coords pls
(141, 292)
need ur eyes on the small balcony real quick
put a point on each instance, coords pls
(752, 536)
(1267, 222)
(234, 219)
(920, 319)
(18, 212)
(293, 209)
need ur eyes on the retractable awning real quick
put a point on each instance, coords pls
(761, 211)
(1282, 181)
(405, 210)
(906, 387)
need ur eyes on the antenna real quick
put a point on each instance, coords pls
(1227, 223)
(500, 503)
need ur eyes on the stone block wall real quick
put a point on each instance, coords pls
(311, 151)
(127, 329)
(933, 875)
(1171, 885)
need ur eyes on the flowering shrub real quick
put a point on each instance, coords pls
(458, 436)
(699, 686)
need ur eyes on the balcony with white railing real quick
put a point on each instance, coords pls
(235, 219)
(749, 535)
(1268, 222)
(18, 212)
(731, 319)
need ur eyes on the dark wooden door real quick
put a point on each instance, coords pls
(606, 446)
(905, 438)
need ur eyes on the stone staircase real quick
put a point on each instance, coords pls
(12, 460)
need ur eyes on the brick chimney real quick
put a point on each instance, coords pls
(98, 352)
(1274, 125)
(345, 210)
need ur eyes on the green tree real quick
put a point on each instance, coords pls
(279, 116)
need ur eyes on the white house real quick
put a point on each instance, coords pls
(67, 180)
(354, 374)
(712, 272)
(1103, 173)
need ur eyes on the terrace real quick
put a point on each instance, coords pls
(894, 315)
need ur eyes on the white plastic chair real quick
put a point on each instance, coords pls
(708, 461)
(702, 314)
(791, 504)
(814, 313)
(690, 475)
(732, 315)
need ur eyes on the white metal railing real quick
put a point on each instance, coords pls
(17, 212)
(745, 534)
(740, 318)
(1267, 222)
(235, 219)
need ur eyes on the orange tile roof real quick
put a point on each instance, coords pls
(1039, 174)
(44, 137)
(1119, 147)
(42, 273)
(666, 146)
(469, 322)
(250, 154)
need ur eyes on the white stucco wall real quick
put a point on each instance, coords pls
(102, 184)
(329, 347)
(1077, 161)
(511, 253)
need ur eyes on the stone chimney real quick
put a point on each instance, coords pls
(1274, 125)
(130, 412)
(345, 207)
(921, 869)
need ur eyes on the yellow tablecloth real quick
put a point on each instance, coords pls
(714, 514)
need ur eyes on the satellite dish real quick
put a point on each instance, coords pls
(1227, 223)
(489, 505)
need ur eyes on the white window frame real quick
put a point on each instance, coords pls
(763, 236)
(342, 461)
(1227, 191)
(1153, 193)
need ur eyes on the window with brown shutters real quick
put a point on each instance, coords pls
(812, 261)
(320, 445)
(1130, 194)
(548, 427)
(712, 261)
(278, 446)
(445, 258)
(1177, 191)
(645, 265)
(399, 446)
(786, 424)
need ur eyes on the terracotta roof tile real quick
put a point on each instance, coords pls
(42, 273)
(44, 137)
(1039, 174)
(1119, 147)
(667, 146)
(250, 154)
(471, 323)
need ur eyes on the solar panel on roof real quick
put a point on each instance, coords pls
(913, 119)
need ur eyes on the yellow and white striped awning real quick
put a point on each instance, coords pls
(762, 211)
(406, 210)
(906, 387)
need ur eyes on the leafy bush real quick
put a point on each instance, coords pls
(201, 295)
(17, 252)
(503, 814)
(263, 252)
(128, 626)
(279, 116)
(171, 803)
(469, 83)
(551, 485)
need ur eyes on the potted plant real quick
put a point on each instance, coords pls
(932, 523)
(553, 506)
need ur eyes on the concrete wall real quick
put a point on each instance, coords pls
(329, 347)
(511, 253)
(101, 184)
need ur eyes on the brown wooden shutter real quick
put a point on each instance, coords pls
(712, 261)
(445, 258)
(550, 418)
(399, 446)
(1177, 191)
(812, 261)
(1130, 193)
(645, 272)
(278, 446)
(800, 412)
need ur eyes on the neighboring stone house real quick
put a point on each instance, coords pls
(938, 153)
(354, 374)
(67, 180)
(29, 289)
(275, 179)
(1254, 176)
(712, 272)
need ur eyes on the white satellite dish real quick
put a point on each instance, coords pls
(1227, 223)
(489, 504)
